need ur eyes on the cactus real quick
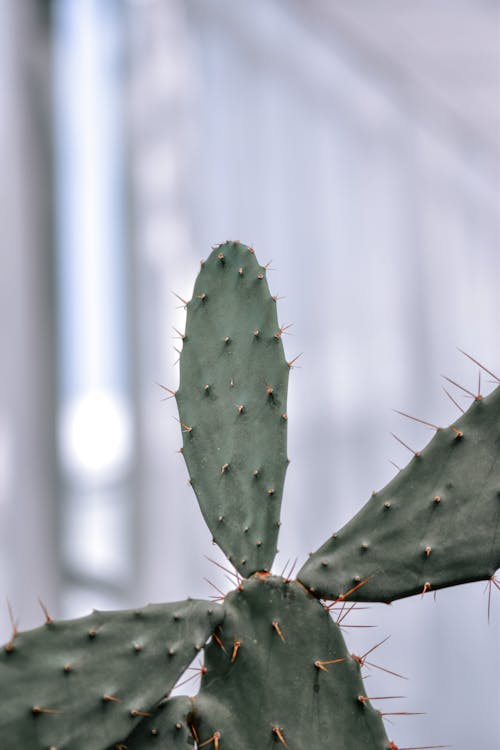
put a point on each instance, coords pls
(58, 690)
(436, 524)
(276, 669)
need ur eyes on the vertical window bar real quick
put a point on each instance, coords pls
(95, 414)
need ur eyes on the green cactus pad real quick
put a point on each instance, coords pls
(436, 524)
(232, 405)
(166, 729)
(83, 684)
(281, 676)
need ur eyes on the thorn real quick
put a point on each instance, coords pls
(36, 711)
(282, 330)
(284, 568)
(341, 597)
(185, 302)
(224, 468)
(135, 712)
(180, 335)
(48, 618)
(417, 419)
(194, 732)
(291, 362)
(236, 647)
(415, 453)
(476, 362)
(215, 587)
(394, 464)
(218, 642)
(267, 265)
(428, 550)
(240, 408)
(226, 570)
(426, 588)
(214, 738)
(372, 649)
(462, 388)
(493, 581)
(240, 270)
(279, 735)
(321, 664)
(364, 698)
(292, 568)
(383, 669)
(202, 296)
(276, 297)
(453, 400)
(330, 607)
(199, 670)
(278, 630)
(111, 699)
(188, 679)
(185, 427)
(169, 390)
(402, 713)
(14, 625)
(343, 614)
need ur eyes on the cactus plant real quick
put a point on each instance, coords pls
(276, 669)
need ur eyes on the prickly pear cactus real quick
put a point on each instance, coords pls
(276, 669)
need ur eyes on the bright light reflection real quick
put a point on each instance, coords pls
(96, 435)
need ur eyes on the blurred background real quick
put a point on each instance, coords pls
(354, 144)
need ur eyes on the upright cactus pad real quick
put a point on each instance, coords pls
(281, 676)
(232, 405)
(436, 524)
(83, 684)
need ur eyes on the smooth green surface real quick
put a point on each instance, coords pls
(436, 524)
(67, 668)
(232, 405)
(166, 729)
(270, 684)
